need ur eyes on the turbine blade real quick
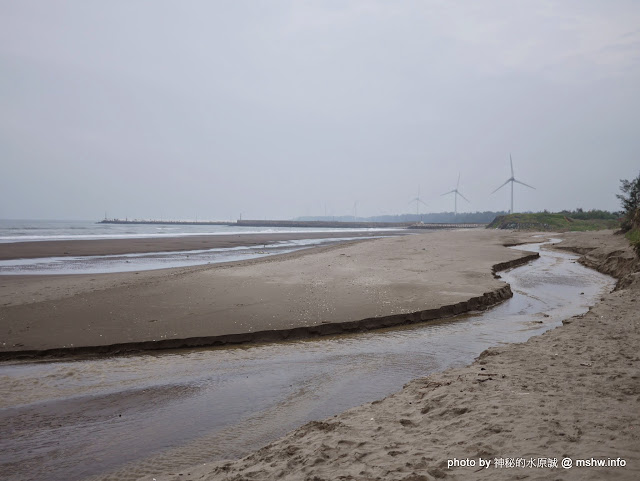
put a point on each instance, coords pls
(509, 180)
(423, 203)
(447, 193)
(458, 184)
(511, 160)
(527, 185)
(463, 197)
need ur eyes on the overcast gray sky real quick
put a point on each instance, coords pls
(279, 108)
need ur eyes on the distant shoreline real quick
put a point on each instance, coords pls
(303, 224)
(265, 223)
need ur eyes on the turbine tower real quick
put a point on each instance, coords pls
(512, 179)
(456, 193)
(418, 201)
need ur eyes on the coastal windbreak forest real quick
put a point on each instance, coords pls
(630, 199)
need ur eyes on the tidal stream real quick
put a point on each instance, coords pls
(132, 416)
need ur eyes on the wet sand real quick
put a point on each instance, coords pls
(317, 291)
(572, 392)
(102, 247)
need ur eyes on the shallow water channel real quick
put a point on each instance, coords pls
(127, 417)
(160, 260)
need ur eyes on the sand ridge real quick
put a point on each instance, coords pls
(365, 280)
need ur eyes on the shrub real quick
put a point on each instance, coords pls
(630, 200)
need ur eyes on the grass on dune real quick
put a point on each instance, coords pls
(634, 239)
(552, 222)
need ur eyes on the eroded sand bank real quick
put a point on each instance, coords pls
(321, 290)
(572, 392)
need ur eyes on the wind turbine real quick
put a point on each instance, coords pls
(456, 193)
(512, 179)
(418, 201)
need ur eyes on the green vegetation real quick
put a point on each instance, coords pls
(591, 214)
(634, 239)
(630, 200)
(578, 220)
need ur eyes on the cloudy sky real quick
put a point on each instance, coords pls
(278, 109)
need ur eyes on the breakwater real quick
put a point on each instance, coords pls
(322, 223)
(166, 222)
(267, 223)
(446, 226)
(301, 223)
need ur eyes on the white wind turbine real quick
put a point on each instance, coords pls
(418, 201)
(456, 193)
(512, 179)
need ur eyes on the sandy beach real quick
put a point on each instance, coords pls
(323, 290)
(572, 392)
(569, 394)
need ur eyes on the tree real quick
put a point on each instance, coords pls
(630, 200)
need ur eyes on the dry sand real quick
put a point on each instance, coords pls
(318, 291)
(571, 392)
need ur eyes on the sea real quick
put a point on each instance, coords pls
(52, 230)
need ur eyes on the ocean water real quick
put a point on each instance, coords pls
(47, 230)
